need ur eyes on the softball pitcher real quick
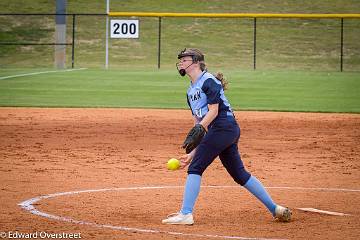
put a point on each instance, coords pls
(215, 133)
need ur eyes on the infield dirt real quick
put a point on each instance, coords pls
(46, 151)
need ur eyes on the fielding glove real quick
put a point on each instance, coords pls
(194, 137)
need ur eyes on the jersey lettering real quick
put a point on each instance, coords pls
(195, 96)
(198, 113)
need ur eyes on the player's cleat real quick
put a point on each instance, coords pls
(179, 219)
(283, 214)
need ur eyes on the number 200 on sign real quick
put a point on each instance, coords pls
(124, 28)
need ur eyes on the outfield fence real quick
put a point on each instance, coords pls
(38, 41)
(325, 42)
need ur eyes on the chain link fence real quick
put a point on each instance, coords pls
(27, 41)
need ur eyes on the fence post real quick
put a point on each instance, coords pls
(342, 44)
(159, 43)
(73, 43)
(107, 35)
(60, 34)
(254, 43)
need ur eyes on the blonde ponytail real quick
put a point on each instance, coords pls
(219, 76)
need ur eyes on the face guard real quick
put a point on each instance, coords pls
(194, 53)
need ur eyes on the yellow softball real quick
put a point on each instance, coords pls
(173, 164)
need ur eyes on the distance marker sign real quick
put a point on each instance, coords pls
(124, 28)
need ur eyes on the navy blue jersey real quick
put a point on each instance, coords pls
(207, 90)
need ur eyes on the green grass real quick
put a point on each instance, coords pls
(297, 60)
(291, 44)
(249, 90)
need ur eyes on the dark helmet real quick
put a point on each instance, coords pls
(195, 54)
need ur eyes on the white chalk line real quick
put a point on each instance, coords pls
(37, 73)
(315, 210)
(28, 205)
